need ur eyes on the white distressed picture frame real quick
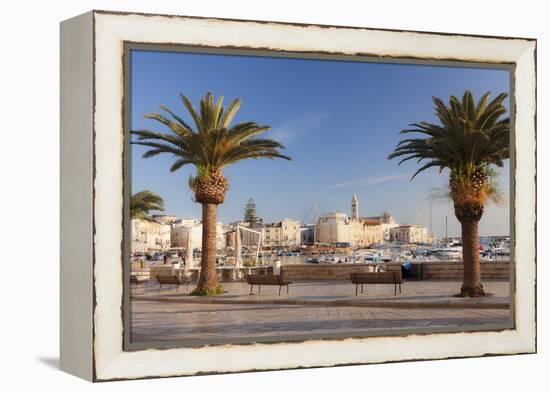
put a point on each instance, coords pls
(92, 143)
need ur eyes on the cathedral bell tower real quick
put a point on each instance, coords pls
(354, 208)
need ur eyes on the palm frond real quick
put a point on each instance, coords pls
(229, 113)
(143, 202)
(212, 143)
(469, 135)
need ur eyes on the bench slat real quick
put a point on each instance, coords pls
(265, 280)
(376, 278)
(172, 280)
(138, 279)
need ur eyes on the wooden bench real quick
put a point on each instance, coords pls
(394, 278)
(173, 280)
(136, 279)
(271, 279)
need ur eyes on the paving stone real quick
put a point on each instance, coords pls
(163, 316)
(151, 321)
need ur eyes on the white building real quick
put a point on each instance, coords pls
(409, 234)
(149, 236)
(291, 232)
(164, 218)
(367, 233)
(337, 227)
(334, 227)
(249, 238)
(271, 235)
(386, 222)
(183, 228)
(285, 233)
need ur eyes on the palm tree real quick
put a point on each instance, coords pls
(210, 145)
(143, 202)
(470, 140)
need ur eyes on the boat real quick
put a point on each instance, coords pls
(447, 253)
(333, 259)
(292, 254)
(325, 259)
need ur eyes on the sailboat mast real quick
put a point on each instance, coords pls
(430, 216)
(446, 237)
(314, 224)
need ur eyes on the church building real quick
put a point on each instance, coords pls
(337, 227)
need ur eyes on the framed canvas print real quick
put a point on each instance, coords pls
(247, 195)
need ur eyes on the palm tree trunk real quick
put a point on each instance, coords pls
(471, 285)
(208, 280)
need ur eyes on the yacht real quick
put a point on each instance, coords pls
(448, 253)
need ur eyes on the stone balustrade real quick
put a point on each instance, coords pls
(337, 271)
(494, 270)
(453, 270)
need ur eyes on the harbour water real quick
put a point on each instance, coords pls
(300, 259)
(286, 259)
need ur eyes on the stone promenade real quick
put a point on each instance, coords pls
(312, 310)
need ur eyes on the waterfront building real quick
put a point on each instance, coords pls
(230, 238)
(410, 234)
(337, 227)
(334, 227)
(149, 236)
(249, 238)
(290, 232)
(221, 229)
(372, 233)
(271, 235)
(167, 219)
(386, 222)
(285, 233)
(183, 228)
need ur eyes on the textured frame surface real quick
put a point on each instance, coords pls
(111, 30)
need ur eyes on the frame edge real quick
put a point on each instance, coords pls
(76, 199)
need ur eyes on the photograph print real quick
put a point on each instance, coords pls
(278, 197)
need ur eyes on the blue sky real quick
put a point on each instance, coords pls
(339, 120)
